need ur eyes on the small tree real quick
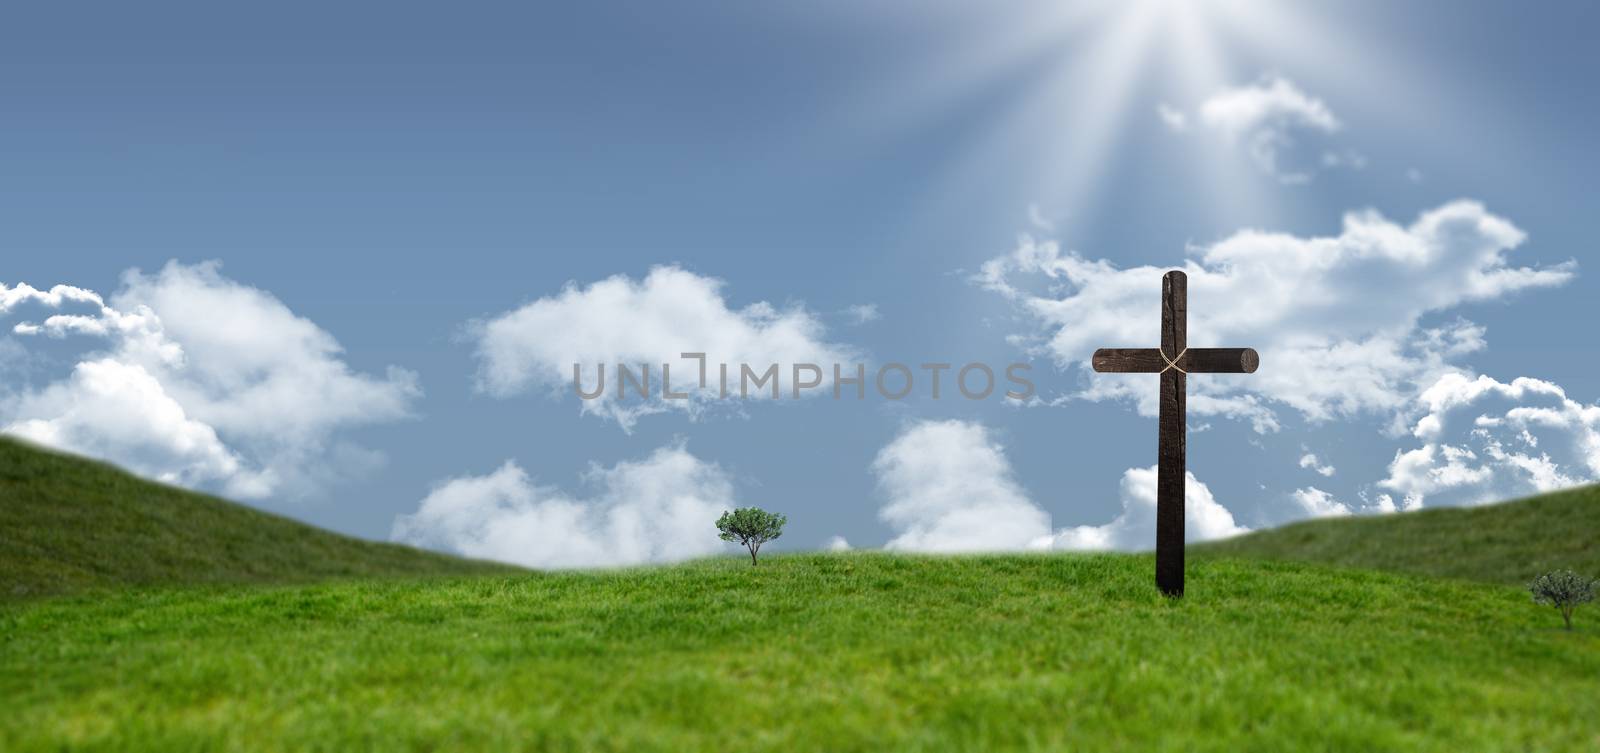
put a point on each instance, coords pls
(752, 527)
(1564, 590)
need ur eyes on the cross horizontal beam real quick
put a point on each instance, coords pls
(1191, 361)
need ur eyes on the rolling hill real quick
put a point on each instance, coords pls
(68, 524)
(247, 631)
(1509, 543)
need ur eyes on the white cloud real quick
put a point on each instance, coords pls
(112, 409)
(1265, 117)
(1384, 503)
(662, 508)
(949, 488)
(837, 544)
(11, 297)
(203, 381)
(1310, 462)
(1135, 528)
(1317, 503)
(1240, 111)
(1174, 118)
(253, 368)
(1290, 298)
(651, 321)
(1484, 440)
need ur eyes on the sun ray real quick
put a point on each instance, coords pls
(1006, 45)
(1044, 94)
(1197, 69)
(1068, 130)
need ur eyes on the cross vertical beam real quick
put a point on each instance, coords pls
(1174, 361)
(1172, 436)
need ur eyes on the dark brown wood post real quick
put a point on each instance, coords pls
(1174, 361)
(1172, 435)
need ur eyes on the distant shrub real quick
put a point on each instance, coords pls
(752, 527)
(1564, 590)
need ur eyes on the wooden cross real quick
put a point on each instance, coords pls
(1174, 361)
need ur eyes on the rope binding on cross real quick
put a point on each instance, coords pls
(1172, 363)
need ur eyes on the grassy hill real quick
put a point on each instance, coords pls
(1507, 543)
(251, 632)
(851, 652)
(68, 524)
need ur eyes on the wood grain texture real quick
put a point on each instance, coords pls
(1194, 361)
(1172, 442)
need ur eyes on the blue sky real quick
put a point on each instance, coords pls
(998, 180)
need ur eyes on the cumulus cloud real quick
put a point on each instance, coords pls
(1241, 111)
(1135, 528)
(1317, 503)
(11, 297)
(949, 488)
(1266, 118)
(200, 380)
(1310, 462)
(648, 322)
(253, 368)
(118, 410)
(1484, 440)
(837, 544)
(661, 508)
(1290, 298)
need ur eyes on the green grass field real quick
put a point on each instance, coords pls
(806, 652)
(820, 652)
